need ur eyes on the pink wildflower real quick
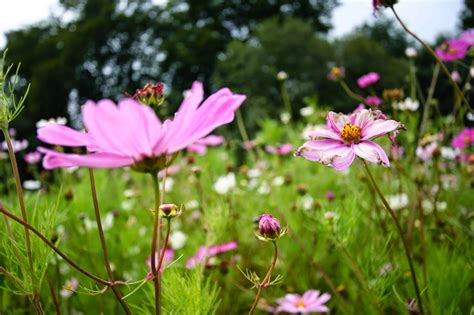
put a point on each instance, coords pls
(368, 79)
(204, 252)
(249, 145)
(330, 195)
(130, 134)
(468, 36)
(32, 157)
(167, 259)
(426, 152)
(346, 136)
(279, 150)
(463, 139)
(69, 288)
(452, 50)
(310, 302)
(17, 145)
(269, 227)
(373, 101)
(200, 146)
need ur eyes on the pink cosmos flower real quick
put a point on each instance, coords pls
(204, 251)
(346, 136)
(310, 302)
(468, 36)
(368, 79)
(200, 146)
(32, 157)
(453, 49)
(463, 139)
(373, 101)
(130, 134)
(426, 152)
(167, 259)
(69, 288)
(279, 150)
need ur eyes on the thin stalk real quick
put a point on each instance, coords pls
(51, 245)
(423, 244)
(243, 131)
(430, 50)
(21, 200)
(103, 243)
(400, 232)
(165, 244)
(350, 93)
(427, 107)
(266, 279)
(286, 98)
(57, 308)
(154, 240)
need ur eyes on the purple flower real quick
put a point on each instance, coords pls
(346, 136)
(279, 150)
(32, 157)
(200, 146)
(310, 302)
(205, 251)
(463, 139)
(269, 227)
(373, 101)
(130, 134)
(452, 50)
(368, 79)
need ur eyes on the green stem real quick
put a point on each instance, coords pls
(54, 248)
(286, 98)
(427, 107)
(103, 243)
(400, 232)
(154, 241)
(266, 279)
(350, 93)
(430, 50)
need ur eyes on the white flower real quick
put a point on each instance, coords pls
(282, 75)
(329, 215)
(254, 172)
(307, 202)
(470, 116)
(17, 145)
(285, 117)
(178, 239)
(307, 111)
(264, 189)
(169, 183)
(32, 184)
(471, 72)
(108, 221)
(398, 201)
(278, 181)
(411, 52)
(52, 121)
(225, 184)
(192, 204)
(126, 205)
(407, 104)
(449, 153)
(69, 287)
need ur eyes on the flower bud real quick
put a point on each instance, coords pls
(169, 210)
(337, 73)
(150, 94)
(269, 228)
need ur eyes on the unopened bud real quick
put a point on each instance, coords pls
(169, 210)
(150, 94)
(336, 73)
(269, 228)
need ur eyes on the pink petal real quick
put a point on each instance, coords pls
(318, 309)
(325, 133)
(211, 140)
(342, 159)
(54, 159)
(372, 152)
(310, 296)
(62, 135)
(328, 152)
(337, 121)
(324, 298)
(361, 118)
(197, 148)
(378, 128)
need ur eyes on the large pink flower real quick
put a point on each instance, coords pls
(130, 134)
(310, 302)
(463, 139)
(452, 50)
(346, 136)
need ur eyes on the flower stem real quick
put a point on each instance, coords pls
(427, 107)
(165, 244)
(430, 50)
(266, 279)
(400, 232)
(57, 308)
(350, 93)
(154, 241)
(51, 245)
(116, 290)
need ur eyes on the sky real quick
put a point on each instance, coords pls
(423, 16)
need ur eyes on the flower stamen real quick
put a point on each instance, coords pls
(350, 133)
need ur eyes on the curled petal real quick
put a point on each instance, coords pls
(372, 152)
(379, 127)
(54, 159)
(337, 121)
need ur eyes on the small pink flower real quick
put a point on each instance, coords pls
(330, 195)
(69, 288)
(130, 134)
(269, 227)
(468, 36)
(463, 139)
(17, 145)
(32, 157)
(373, 101)
(456, 76)
(167, 259)
(368, 79)
(279, 150)
(204, 252)
(452, 50)
(426, 152)
(347, 136)
(249, 145)
(310, 302)
(200, 146)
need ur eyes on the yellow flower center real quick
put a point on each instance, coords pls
(350, 133)
(300, 303)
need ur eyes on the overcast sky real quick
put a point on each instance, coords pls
(425, 17)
